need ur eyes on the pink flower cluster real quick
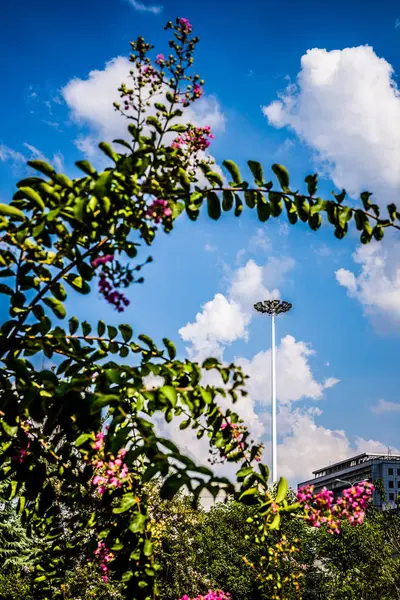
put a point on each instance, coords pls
(102, 260)
(109, 473)
(186, 25)
(160, 59)
(321, 509)
(113, 297)
(195, 139)
(237, 432)
(106, 287)
(197, 91)
(158, 211)
(217, 595)
(149, 73)
(104, 555)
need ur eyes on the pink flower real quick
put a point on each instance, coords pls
(186, 25)
(197, 91)
(160, 59)
(102, 260)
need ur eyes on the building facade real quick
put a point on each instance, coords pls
(370, 467)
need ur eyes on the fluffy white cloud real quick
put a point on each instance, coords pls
(377, 286)
(384, 406)
(345, 105)
(221, 322)
(225, 319)
(309, 446)
(294, 377)
(91, 103)
(7, 153)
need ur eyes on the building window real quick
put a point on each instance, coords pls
(390, 471)
(391, 497)
(391, 484)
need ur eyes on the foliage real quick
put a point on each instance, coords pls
(16, 548)
(59, 234)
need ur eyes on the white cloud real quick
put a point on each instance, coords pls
(7, 153)
(309, 446)
(209, 248)
(377, 286)
(384, 406)
(345, 105)
(294, 378)
(91, 103)
(221, 322)
(155, 10)
(225, 319)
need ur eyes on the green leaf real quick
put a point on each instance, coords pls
(283, 176)
(283, 488)
(102, 184)
(213, 206)
(148, 548)
(84, 437)
(378, 232)
(214, 177)
(11, 211)
(10, 430)
(392, 210)
(126, 332)
(238, 206)
(250, 198)
(56, 306)
(179, 127)
(127, 501)
(86, 328)
(170, 348)
(210, 363)
(312, 184)
(42, 167)
(263, 209)
(340, 197)
(276, 521)
(184, 424)
(101, 327)
(171, 486)
(31, 194)
(154, 122)
(78, 283)
(102, 400)
(275, 204)
(365, 196)
(169, 392)
(137, 523)
(227, 200)
(73, 325)
(184, 179)
(5, 289)
(249, 496)
(108, 151)
(112, 331)
(257, 171)
(315, 221)
(86, 167)
(233, 171)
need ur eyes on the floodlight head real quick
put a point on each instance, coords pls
(273, 307)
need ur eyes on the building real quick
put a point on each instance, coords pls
(370, 467)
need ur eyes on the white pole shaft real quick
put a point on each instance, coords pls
(273, 407)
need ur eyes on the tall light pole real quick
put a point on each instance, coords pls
(272, 308)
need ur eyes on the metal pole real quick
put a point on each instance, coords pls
(273, 308)
(273, 390)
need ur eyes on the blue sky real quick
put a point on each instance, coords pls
(343, 116)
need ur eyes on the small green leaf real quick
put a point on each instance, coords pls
(101, 327)
(250, 198)
(238, 206)
(276, 521)
(170, 348)
(213, 205)
(73, 325)
(137, 523)
(126, 332)
(227, 200)
(86, 167)
(56, 306)
(127, 501)
(185, 424)
(312, 184)
(31, 194)
(210, 363)
(257, 171)
(214, 177)
(42, 167)
(233, 171)
(169, 392)
(283, 176)
(11, 211)
(86, 328)
(148, 548)
(315, 221)
(263, 209)
(184, 179)
(108, 151)
(82, 439)
(10, 430)
(283, 488)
